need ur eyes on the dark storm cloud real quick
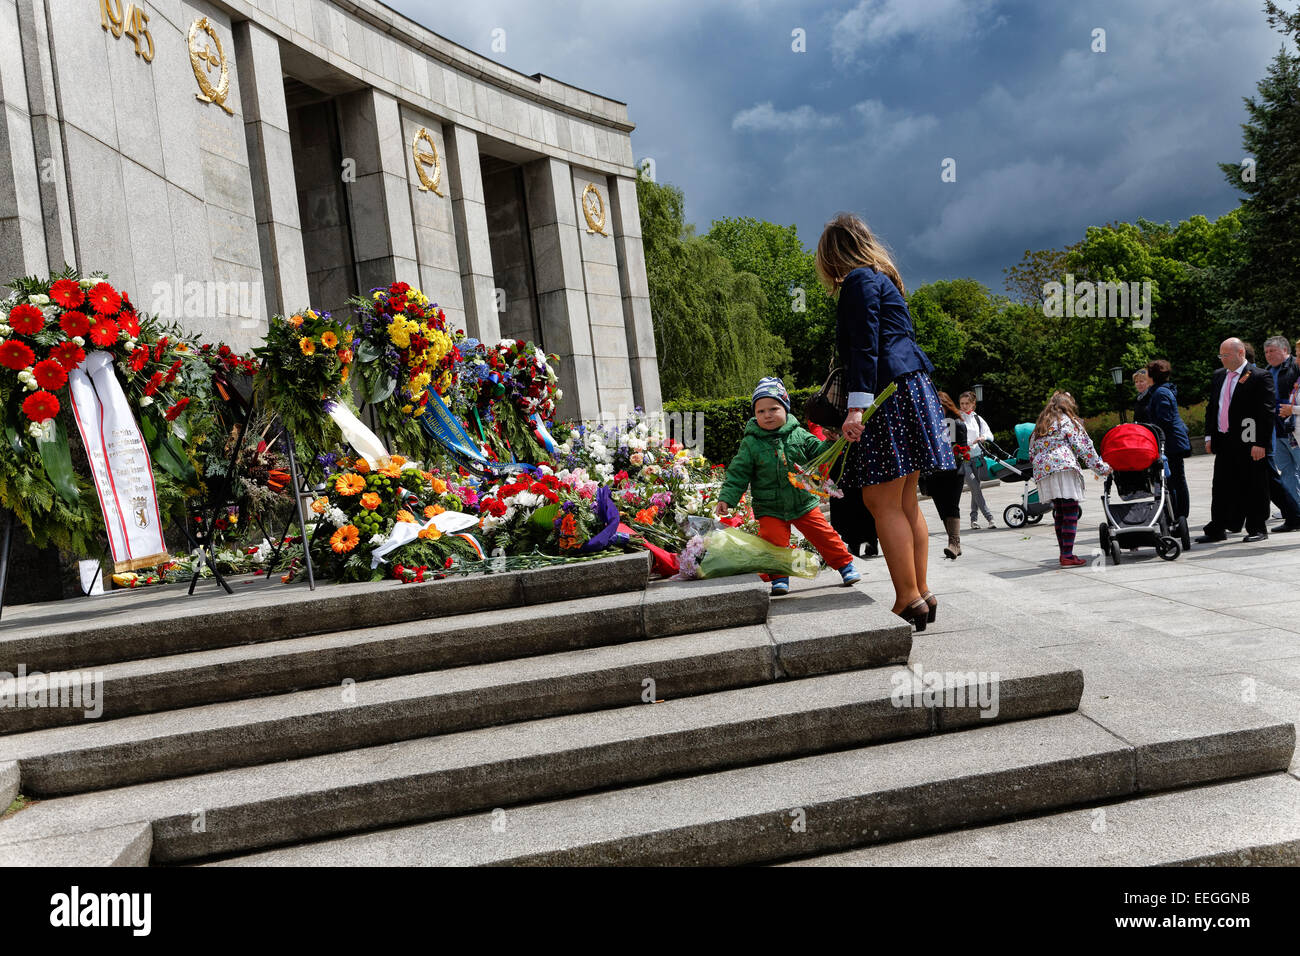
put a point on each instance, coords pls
(1048, 136)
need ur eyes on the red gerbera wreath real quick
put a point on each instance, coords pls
(68, 354)
(40, 406)
(16, 355)
(50, 374)
(26, 319)
(176, 409)
(104, 333)
(104, 298)
(74, 324)
(67, 293)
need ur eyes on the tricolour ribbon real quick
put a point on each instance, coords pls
(119, 463)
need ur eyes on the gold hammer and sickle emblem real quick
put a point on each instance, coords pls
(594, 211)
(426, 160)
(205, 59)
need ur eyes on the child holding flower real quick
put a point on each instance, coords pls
(774, 445)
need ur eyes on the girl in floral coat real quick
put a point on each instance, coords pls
(1059, 444)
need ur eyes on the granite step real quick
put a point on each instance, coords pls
(801, 807)
(328, 660)
(128, 625)
(113, 753)
(1252, 822)
(249, 808)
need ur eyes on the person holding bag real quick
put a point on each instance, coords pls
(906, 436)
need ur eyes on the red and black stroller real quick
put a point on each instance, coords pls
(1139, 510)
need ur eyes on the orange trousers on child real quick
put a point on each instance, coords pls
(812, 526)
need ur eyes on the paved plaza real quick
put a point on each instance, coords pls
(1217, 627)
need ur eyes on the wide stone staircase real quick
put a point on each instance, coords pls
(583, 715)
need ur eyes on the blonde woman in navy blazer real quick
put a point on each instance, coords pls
(906, 436)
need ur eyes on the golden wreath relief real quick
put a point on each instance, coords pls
(426, 160)
(204, 61)
(593, 208)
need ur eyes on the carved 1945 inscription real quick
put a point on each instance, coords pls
(132, 22)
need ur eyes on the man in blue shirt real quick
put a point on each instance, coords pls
(1286, 460)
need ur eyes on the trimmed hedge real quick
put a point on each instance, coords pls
(725, 420)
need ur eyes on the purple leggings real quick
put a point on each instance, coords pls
(1065, 515)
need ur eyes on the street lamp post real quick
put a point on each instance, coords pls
(1117, 376)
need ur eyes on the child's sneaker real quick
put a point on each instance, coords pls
(780, 586)
(849, 574)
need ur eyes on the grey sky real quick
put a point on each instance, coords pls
(1048, 136)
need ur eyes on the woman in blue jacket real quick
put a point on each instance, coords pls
(906, 436)
(1162, 410)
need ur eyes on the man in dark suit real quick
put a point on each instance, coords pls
(1239, 433)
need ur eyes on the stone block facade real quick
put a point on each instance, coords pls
(275, 153)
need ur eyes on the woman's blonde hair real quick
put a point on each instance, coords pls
(1061, 404)
(847, 244)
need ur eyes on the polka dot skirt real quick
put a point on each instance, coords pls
(906, 434)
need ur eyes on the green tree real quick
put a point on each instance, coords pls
(1267, 277)
(797, 309)
(710, 337)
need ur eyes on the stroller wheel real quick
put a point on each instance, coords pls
(1168, 548)
(1185, 534)
(1014, 516)
(1103, 535)
(1034, 518)
(1114, 551)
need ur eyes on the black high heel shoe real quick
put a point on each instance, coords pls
(932, 603)
(915, 614)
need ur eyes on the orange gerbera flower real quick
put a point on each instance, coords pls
(430, 533)
(389, 470)
(349, 485)
(362, 466)
(370, 501)
(405, 516)
(320, 505)
(432, 511)
(308, 346)
(397, 460)
(439, 486)
(329, 339)
(345, 539)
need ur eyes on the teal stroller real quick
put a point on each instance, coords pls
(1014, 469)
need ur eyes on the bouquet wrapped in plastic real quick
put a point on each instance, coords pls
(725, 551)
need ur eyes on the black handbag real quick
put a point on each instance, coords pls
(830, 406)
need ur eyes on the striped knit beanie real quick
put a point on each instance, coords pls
(771, 388)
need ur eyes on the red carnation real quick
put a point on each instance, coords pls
(67, 293)
(50, 374)
(159, 348)
(40, 406)
(129, 322)
(154, 383)
(139, 358)
(16, 355)
(176, 409)
(68, 354)
(171, 372)
(74, 324)
(104, 332)
(104, 299)
(26, 319)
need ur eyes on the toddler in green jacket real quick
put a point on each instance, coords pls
(774, 445)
